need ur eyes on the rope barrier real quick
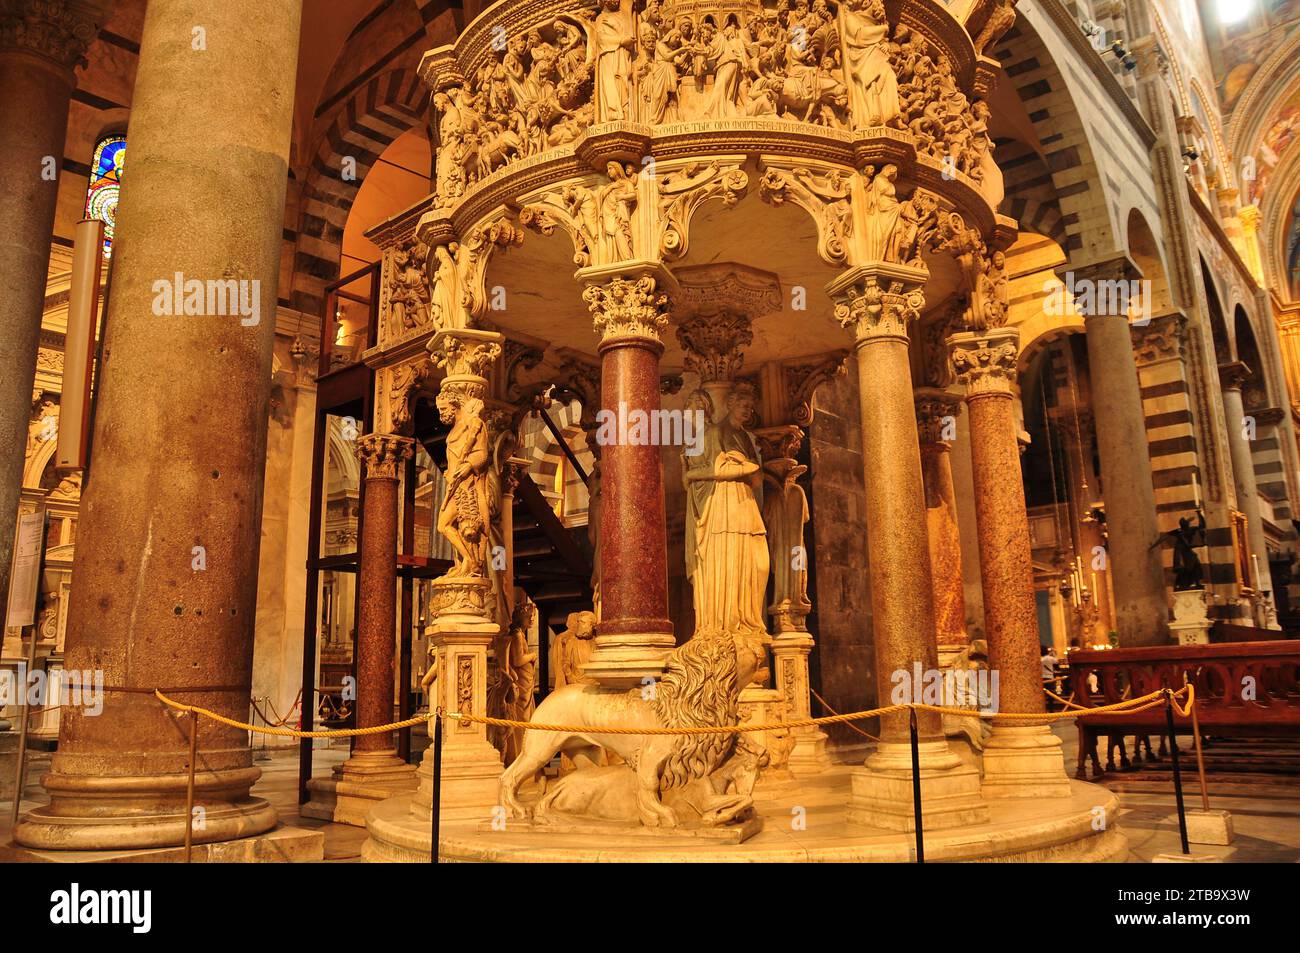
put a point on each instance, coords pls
(1131, 706)
(821, 701)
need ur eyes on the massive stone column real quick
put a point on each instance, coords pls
(877, 302)
(936, 422)
(634, 635)
(166, 564)
(1233, 376)
(1020, 760)
(40, 44)
(1141, 605)
(374, 772)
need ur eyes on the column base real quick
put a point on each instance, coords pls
(1024, 761)
(357, 785)
(283, 845)
(135, 813)
(882, 789)
(627, 660)
(471, 781)
(809, 755)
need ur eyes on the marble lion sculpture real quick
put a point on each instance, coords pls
(701, 687)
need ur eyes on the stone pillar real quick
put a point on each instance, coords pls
(877, 302)
(170, 523)
(461, 605)
(1232, 376)
(374, 772)
(1020, 760)
(634, 635)
(936, 422)
(39, 46)
(1141, 604)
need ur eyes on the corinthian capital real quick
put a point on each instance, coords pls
(59, 30)
(712, 344)
(383, 453)
(465, 354)
(878, 301)
(936, 413)
(985, 362)
(628, 308)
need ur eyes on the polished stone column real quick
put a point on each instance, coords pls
(1141, 603)
(1020, 760)
(634, 635)
(936, 422)
(877, 303)
(374, 772)
(167, 547)
(1232, 377)
(39, 46)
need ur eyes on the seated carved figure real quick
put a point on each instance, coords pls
(701, 687)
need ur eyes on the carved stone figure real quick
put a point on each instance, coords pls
(572, 648)
(409, 295)
(445, 296)
(466, 513)
(615, 202)
(613, 42)
(1000, 20)
(664, 57)
(726, 542)
(701, 687)
(512, 691)
(882, 213)
(785, 512)
(873, 86)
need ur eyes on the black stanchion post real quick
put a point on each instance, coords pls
(189, 787)
(1178, 777)
(916, 787)
(435, 807)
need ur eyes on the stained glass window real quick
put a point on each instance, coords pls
(105, 181)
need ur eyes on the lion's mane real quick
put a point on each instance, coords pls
(699, 688)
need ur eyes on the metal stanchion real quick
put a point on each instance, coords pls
(1178, 778)
(916, 787)
(189, 787)
(435, 807)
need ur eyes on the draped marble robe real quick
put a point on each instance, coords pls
(727, 558)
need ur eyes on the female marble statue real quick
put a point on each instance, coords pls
(873, 87)
(726, 544)
(615, 202)
(613, 41)
(466, 513)
(444, 303)
(882, 213)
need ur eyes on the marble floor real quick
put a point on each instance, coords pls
(1266, 815)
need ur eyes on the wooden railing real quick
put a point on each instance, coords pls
(1242, 688)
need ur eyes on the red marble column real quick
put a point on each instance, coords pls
(936, 414)
(1021, 759)
(382, 455)
(634, 634)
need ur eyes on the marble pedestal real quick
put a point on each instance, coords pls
(1024, 761)
(357, 785)
(882, 789)
(1191, 624)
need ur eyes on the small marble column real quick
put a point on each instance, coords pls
(374, 772)
(1020, 760)
(876, 303)
(460, 602)
(1232, 377)
(40, 44)
(634, 635)
(170, 524)
(936, 422)
(1141, 603)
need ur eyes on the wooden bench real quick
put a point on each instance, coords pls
(1242, 688)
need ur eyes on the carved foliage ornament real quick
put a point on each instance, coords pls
(712, 344)
(628, 307)
(383, 453)
(56, 29)
(880, 306)
(985, 364)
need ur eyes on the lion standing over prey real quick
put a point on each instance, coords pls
(701, 687)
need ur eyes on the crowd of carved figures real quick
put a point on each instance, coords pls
(838, 65)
